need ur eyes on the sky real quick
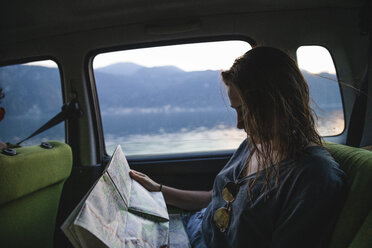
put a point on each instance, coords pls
(315, 59)
(204, 56)
(188, 57)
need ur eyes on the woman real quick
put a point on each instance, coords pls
(2, 114)
(281, 188)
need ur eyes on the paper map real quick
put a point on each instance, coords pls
(119, 212)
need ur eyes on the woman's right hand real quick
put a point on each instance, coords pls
(145, 181)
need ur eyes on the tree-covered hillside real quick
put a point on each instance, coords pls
(137, 93)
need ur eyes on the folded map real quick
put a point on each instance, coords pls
(119, 212)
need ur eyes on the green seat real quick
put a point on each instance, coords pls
(30, 187)
(354, 225)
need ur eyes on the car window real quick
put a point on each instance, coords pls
(32, 96)
(317, 66)
(166, 100)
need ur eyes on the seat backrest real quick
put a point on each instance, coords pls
(354, 225)
(30, 187)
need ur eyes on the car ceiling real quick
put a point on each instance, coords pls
(23, 20)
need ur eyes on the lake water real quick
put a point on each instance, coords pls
(198, 140)
(164, 134)
(202, 139)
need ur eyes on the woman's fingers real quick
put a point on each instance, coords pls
(138, 173)
(138, 177)
(144, 180)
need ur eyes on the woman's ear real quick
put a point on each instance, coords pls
(2, 113)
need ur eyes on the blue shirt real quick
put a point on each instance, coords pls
(299, 211)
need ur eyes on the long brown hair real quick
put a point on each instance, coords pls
(275, 104)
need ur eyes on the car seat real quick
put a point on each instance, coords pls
(354, 225)
(31, 183)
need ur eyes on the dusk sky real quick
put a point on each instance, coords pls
(204, 56)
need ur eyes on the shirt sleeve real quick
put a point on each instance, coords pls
(310, 209)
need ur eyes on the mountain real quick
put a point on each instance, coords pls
(324, 90)
(31, 90)
(160, 86)
(125, 68)
(155, 87)
(130, 85)
(136, 99)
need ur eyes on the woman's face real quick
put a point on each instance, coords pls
(2, 113)
(236, 103)
(2, 110)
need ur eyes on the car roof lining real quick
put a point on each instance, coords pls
(22, 20)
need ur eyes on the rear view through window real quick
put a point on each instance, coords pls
(317, 66)
(32, 96)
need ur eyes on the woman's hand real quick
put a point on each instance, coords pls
(185, 199)
(145, 181)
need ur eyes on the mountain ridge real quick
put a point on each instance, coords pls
(157, 98)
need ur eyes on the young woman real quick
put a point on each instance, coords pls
(281, 188)
(2, 114)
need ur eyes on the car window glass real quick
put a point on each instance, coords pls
(32, 96)
(317, 66)
(166, 100)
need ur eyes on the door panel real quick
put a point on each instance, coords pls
(194, 173)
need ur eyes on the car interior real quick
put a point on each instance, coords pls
(40, 186)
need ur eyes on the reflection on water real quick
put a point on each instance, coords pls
(198, 140)
(185, 140)
(331, 123)
(203, 139)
